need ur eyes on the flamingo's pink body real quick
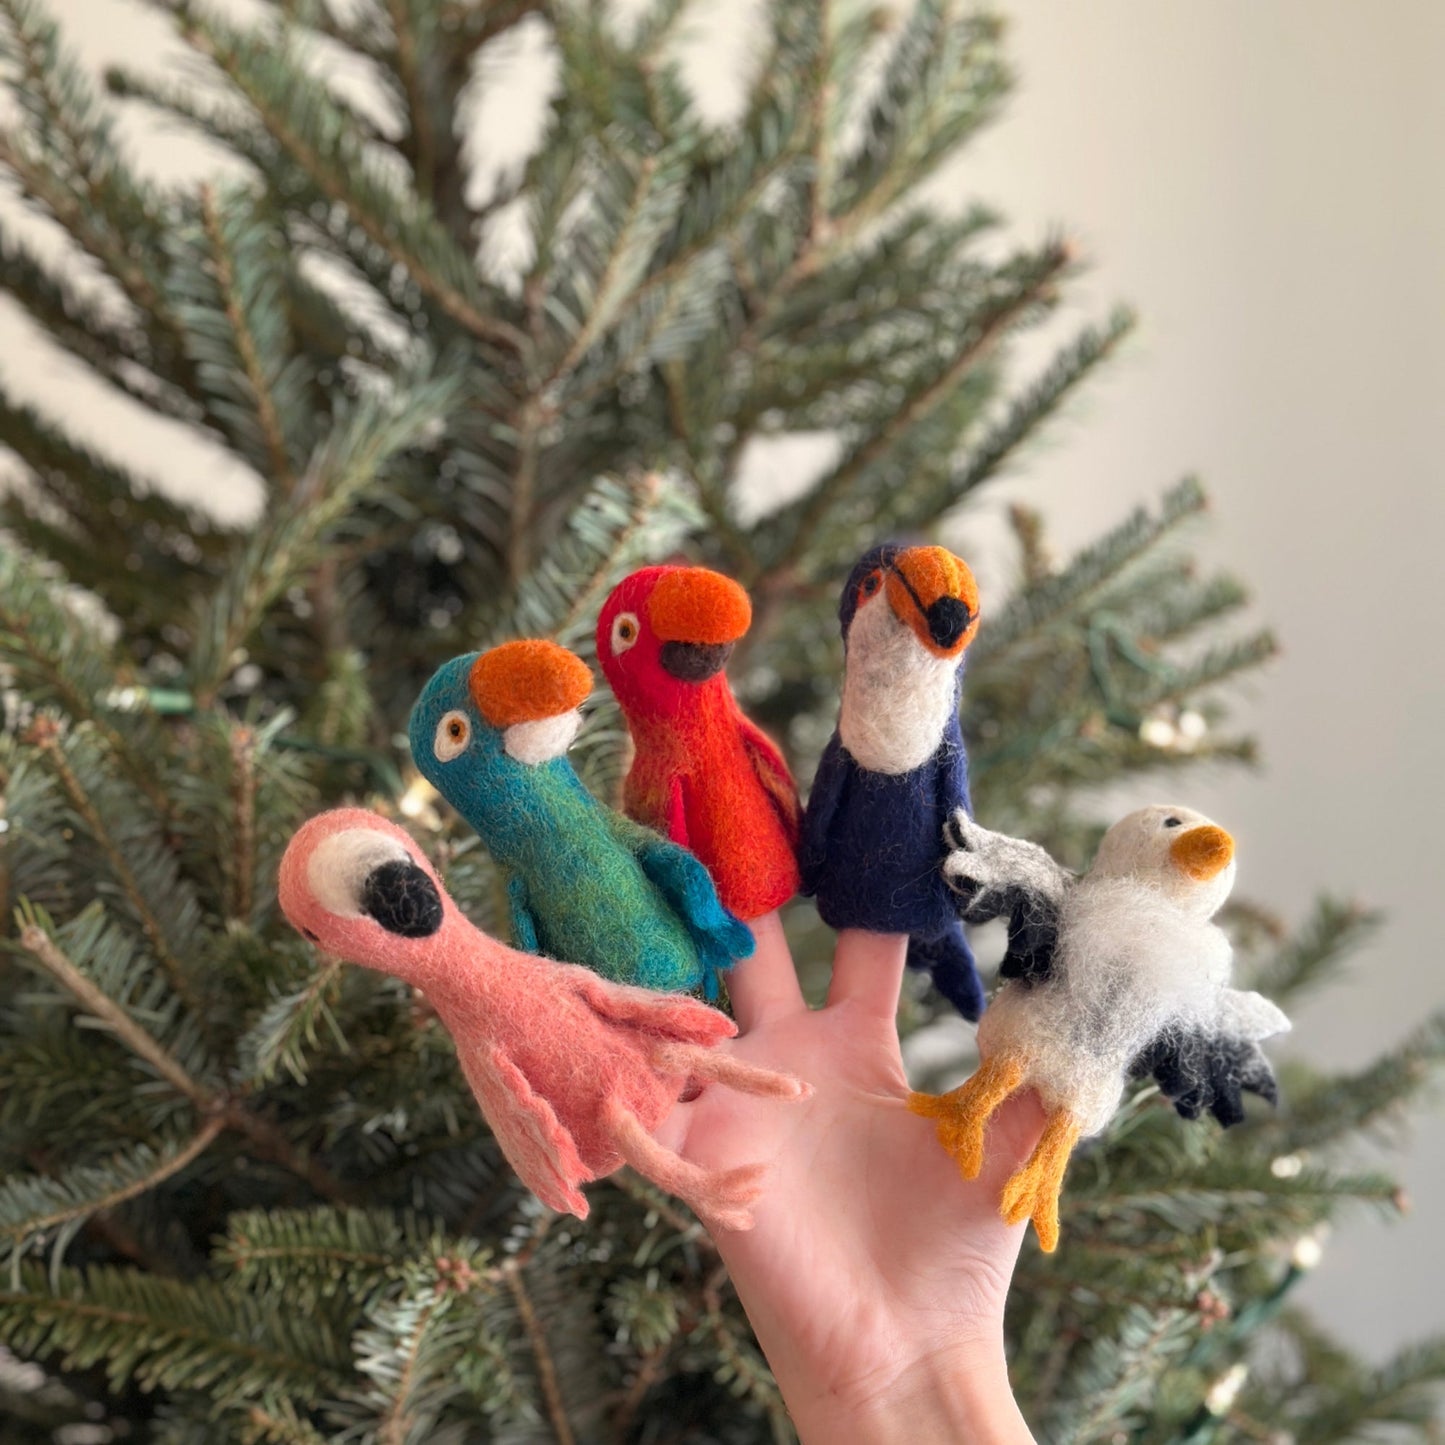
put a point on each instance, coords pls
(572, 1072)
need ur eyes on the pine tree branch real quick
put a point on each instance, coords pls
(169, 1333)
(261, 1132)
(46, 737)
(511, 1275)
(166, 1166)
(270, 423)
(325, 178)
(242, 861)
(37, 942)
(422, 136)
(989, 330)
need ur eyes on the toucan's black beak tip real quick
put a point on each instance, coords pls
(403, 899)
(948, 619)
(694, 661)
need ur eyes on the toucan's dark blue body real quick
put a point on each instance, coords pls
(873, 844)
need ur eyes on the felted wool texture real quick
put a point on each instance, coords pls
(1124, 974)
(702, 773)
(895, 769)
(1138, 967)
(572, 1073)
(584, 884)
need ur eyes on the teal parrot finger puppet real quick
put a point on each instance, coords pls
(895, 770)
(491, 732)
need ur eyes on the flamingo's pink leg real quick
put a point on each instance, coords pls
(714, 1065)
(721, 1197)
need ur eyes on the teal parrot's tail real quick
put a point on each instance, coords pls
(719, 938)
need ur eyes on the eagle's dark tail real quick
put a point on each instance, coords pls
(948, 960)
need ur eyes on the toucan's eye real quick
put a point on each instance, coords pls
(1173, 822)
(454, 732)
(872, 582)
(625, 631)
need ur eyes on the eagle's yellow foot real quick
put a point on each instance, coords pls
(1033, 1191)
(963, 1113)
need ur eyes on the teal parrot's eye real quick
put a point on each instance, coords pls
(625, 631)
(453, 733)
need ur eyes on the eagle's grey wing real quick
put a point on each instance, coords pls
(996, 876)
(1211, 1065)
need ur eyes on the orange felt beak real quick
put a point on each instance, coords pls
(694, 605)
(527, 681)
(1202, 853)
(934, 593)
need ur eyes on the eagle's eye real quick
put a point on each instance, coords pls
(453, 733)
(1173, 822)
(625, 632)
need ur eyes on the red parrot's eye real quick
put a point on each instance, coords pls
(871, 583)
(625, 630)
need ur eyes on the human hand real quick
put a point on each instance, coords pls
(875, 1277)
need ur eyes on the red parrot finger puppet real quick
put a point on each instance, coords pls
(895, 770)
(1116, 974)
(572, 1072)
(702, 773)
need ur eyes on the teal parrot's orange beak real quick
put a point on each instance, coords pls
(1202, 853)
(697, 615)
(934, 593)
(528, 681)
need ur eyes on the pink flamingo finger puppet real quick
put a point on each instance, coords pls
(572, 1072)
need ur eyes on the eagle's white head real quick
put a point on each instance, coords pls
(1174, 849)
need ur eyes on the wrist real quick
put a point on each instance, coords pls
(958, 1394)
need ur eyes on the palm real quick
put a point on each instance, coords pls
(869, 1247)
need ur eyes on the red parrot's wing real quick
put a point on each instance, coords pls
(664, 1015)
(534, 1140)
(677, 814)
(773, 774)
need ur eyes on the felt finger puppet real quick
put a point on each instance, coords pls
(572, 1073)
(895, 770)
(1115, 974)
(491, 732)
(702, 773)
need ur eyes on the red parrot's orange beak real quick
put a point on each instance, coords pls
(1202, 853)
(697, 615)
(934, 593)
(527, 681)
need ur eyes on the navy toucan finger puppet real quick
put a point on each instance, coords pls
(491, 732)
(895, 771)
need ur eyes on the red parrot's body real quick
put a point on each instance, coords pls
(703, 774)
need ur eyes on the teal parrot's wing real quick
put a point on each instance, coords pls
(524, 922)
(720, 939)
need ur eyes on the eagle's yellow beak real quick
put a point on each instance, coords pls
(1202, 853)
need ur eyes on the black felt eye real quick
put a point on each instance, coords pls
(1172, 822)
(871, 583)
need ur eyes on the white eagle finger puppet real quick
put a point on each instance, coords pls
(1115, 974)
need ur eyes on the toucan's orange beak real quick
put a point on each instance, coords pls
(695, 605)
(934, 593)
(1202, 853)
(526, 681)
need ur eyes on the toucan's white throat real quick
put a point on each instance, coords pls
(535, 743)
(897, 695)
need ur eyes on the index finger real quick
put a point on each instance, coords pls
(765, 986)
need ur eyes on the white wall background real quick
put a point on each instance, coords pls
(1265, 180)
